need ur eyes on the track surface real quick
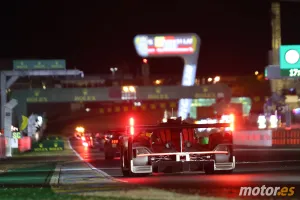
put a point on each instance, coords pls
(254, 168)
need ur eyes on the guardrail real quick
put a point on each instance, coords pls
(268, 138)
(253, 138)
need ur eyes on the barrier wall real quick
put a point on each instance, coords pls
(282, 137)
(268, 138)
(261, 138)
(49, 145)
(24, 144)
(2, 147)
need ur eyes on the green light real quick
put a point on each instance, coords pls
(266, 72)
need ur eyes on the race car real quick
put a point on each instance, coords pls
(88, 140)
(111, 144)
(175, 146)
(79, 132)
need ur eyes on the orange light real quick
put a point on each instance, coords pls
(145, 61)
(83, 138)
(114, 141)
(157, 82)
(79, 129)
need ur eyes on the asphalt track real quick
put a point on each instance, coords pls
(255, 167)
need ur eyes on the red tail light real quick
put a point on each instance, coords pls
(114, 141)
(131, 121)
(232, 122)
(131, 124)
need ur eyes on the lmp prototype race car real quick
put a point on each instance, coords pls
(111, 144)
(88, 140)
(176, 146)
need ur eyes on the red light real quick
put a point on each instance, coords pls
(131, 121)
(131, 130)
(145, 61)
(114, 141)
(232, 122)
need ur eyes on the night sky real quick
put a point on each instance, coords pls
(93, 37)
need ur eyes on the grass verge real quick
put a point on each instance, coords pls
(46, 194)
(29, 176)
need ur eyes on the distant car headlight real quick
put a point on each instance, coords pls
(168, 145)
(188, 144)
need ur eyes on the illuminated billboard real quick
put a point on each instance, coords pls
(166, 45)
(289, 56)
(185, 46)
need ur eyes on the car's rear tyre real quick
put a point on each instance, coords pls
(126, 173)
(108, 157)
(209, 169)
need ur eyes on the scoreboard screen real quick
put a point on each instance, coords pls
(165, 45)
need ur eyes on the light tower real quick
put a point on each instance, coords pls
(276, 29)
(276, 32)
(277, 84)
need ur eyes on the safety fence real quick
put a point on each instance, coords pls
(268, 138)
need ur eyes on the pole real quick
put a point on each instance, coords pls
(7, 131)
(288, 117)
(3, 98)
(181, 142)
(130, 153)
(203, 81)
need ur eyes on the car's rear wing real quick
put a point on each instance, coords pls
(183, 153)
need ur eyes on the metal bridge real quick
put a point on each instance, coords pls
(125, 93)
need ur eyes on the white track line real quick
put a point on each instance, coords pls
(55, 176)
(113, 168)
(94, 168)
(70, 146)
